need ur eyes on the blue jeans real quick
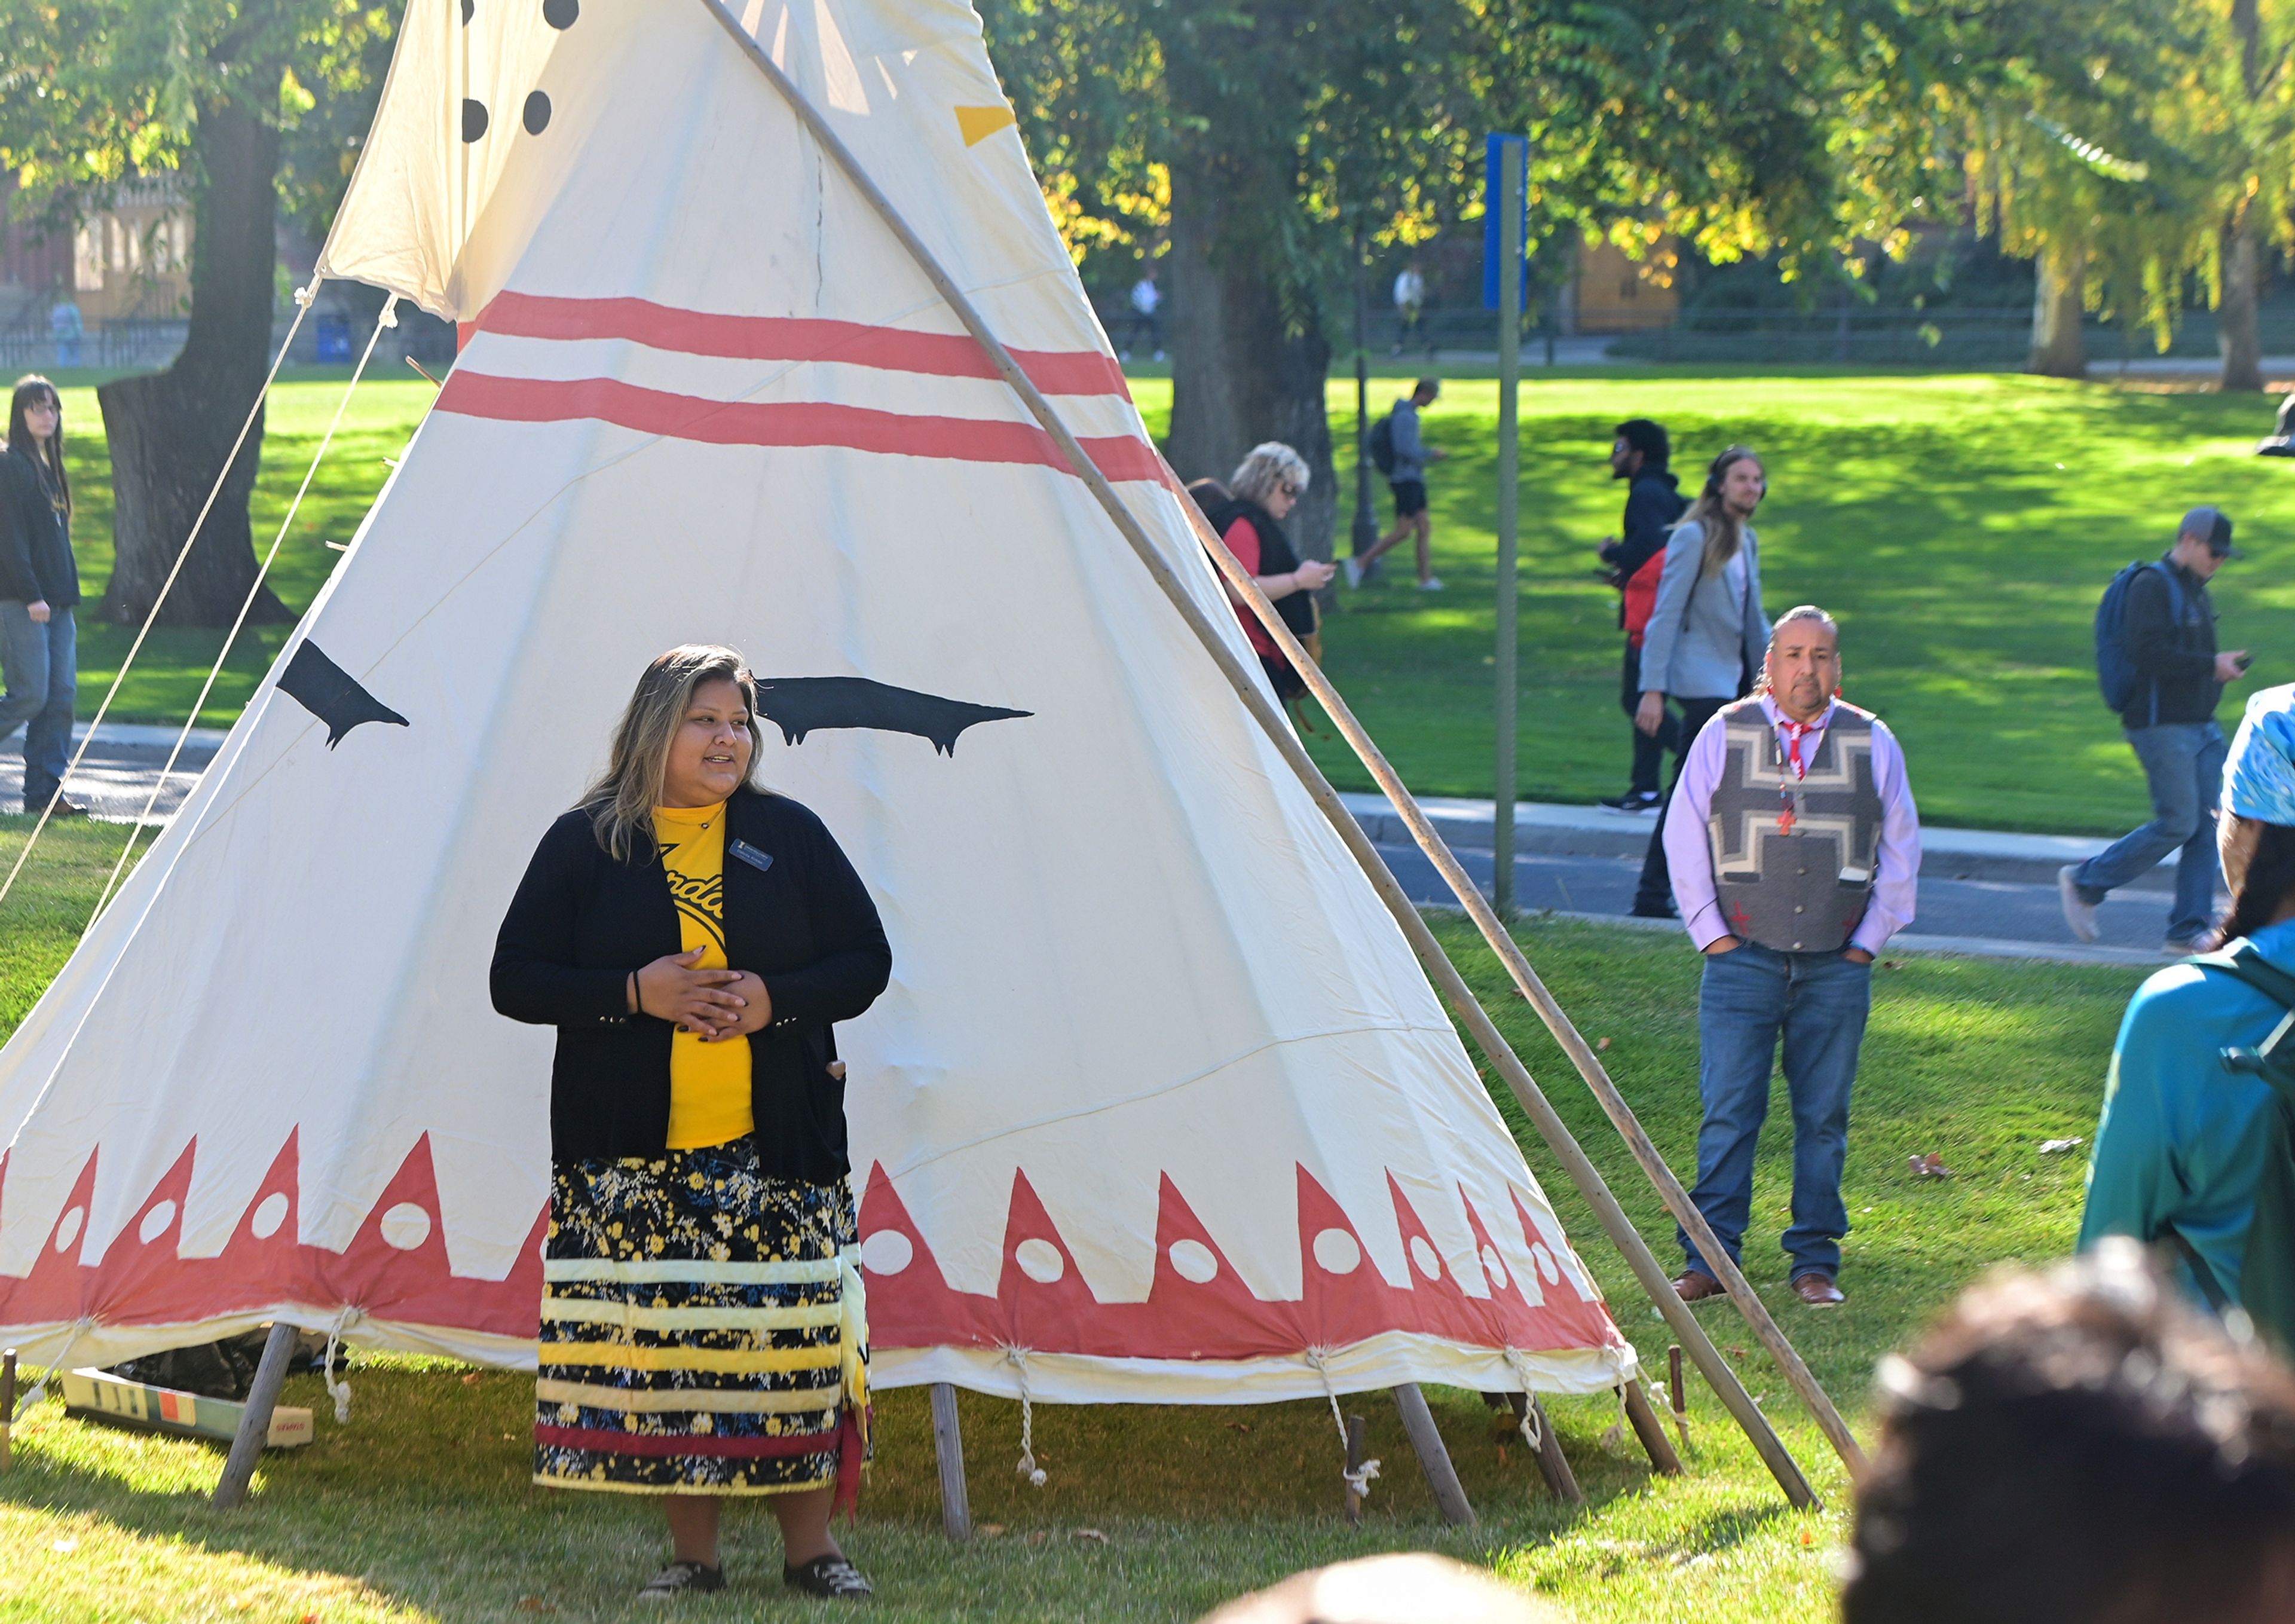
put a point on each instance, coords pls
(1816, 1002)
(40, 666)
(2183, 762)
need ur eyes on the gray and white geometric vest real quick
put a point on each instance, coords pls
(1793, 859)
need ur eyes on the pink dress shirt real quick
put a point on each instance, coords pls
(1689, 844)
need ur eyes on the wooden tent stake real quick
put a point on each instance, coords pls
(1553, 1464)
(1434, 1459)
(255, 1420)
(1445, 976)
(7, 1409)
(1651, 1431)
(948, 1446)
(1358, 1449)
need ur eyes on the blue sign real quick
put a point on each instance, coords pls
(1493, 212)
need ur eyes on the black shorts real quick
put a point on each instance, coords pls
(1409, 496)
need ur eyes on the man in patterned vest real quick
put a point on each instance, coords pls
(1795, 853)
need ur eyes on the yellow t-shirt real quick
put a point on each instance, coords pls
(708, 1082)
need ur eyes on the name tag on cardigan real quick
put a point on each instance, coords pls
(748, 854)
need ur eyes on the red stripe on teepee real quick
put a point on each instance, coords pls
(718, 423)
(764, 338)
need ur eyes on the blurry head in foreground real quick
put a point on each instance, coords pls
(2078, 1447)
(1412, 1588)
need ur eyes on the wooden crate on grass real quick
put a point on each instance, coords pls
(98, 1395)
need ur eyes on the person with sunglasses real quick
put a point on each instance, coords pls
(1264, 488)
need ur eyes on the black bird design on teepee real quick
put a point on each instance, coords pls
(798, 706)
(331, 694)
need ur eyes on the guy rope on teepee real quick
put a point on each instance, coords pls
(760, 347)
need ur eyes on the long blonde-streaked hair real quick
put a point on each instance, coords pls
(1723, 531)
(621, 803)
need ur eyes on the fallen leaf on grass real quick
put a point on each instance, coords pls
(1605, 1043)
(533, 1603)
(1237, 1426)
(1736, 1353)
(310, 1618)
(470, 1380)
(1039, 1536)
(989, 1531)
(1892, 964)
(2054, 1147)
(1090, 1536)
(1931, 1166)
(1807, 1538)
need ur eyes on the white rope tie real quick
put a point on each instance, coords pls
(339, 1392)
(1357, 1479)
(1531, 1434)
(1614, 1438)
(303, 297)
(1028, 1468)
(389, 318)
(39, 1388)
(1680, 1416)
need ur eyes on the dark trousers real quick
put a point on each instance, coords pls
(1654, 895)
(1751, 998)
(1649, 754)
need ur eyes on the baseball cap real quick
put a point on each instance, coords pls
(2214, 525)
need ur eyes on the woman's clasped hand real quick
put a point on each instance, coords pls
(714, 1004)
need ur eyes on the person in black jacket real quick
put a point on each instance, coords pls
(694, 938)
(39, 589)
(2170, 632)
(1639, 451)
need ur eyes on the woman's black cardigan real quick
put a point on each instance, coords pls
(803, 921)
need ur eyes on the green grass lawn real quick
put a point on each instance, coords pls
(419, 1508)
(1964, 528)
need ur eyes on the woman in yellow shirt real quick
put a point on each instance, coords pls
(694, 938)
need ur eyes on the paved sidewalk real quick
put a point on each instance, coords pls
(118, 771)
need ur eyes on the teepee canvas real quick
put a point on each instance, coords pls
(1158, 1105)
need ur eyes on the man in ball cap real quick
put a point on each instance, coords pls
(2169, 634)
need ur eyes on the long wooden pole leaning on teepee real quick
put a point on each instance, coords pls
(1581, 1171)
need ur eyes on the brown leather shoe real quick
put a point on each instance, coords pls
(1696, 1285)
(1817, 1289)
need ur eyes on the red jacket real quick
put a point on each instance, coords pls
(1641, 597)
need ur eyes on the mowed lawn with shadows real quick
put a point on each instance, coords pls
(419, 1507)
(1962, 527)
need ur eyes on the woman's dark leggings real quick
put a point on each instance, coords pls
(1654, 897)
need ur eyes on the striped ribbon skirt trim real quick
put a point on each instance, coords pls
(702, 1329)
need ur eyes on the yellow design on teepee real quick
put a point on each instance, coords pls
(979, 123)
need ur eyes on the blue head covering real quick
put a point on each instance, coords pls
(2259, 775)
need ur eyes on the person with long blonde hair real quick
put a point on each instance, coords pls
(694, 938)
(1707, 632)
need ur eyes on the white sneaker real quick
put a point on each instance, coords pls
(1354, 571)
(1433, 583)
(2078, 916)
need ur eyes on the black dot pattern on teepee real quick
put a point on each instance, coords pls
(474, 119)
(537, 113)
(560, 14)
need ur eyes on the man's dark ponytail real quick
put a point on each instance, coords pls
(2270, 881)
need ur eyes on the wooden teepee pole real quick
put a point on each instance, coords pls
(1246, 685)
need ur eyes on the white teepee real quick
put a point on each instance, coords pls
(1158, 1105)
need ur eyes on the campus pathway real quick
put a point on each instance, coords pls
(1981, 892)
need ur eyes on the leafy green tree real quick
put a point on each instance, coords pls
(243, 99)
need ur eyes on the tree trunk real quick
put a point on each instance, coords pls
(170, 431)
(2236, 332)
(2059, 349)
(1237, 377)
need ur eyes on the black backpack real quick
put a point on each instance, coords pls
(1382, 443)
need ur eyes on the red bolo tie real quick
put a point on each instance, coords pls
(1794, 731)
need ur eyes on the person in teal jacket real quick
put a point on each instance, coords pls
(2186, 1138)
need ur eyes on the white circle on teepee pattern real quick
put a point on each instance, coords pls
(406, 1226)
(1040, 1260)
(886, 1251)
(269, 1215)
(1338, 1252)
(1195, 1261)
(156, 1221)
(1545, 1265)
(1492, 1267)
(68, 1231)
(1429, 1263)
